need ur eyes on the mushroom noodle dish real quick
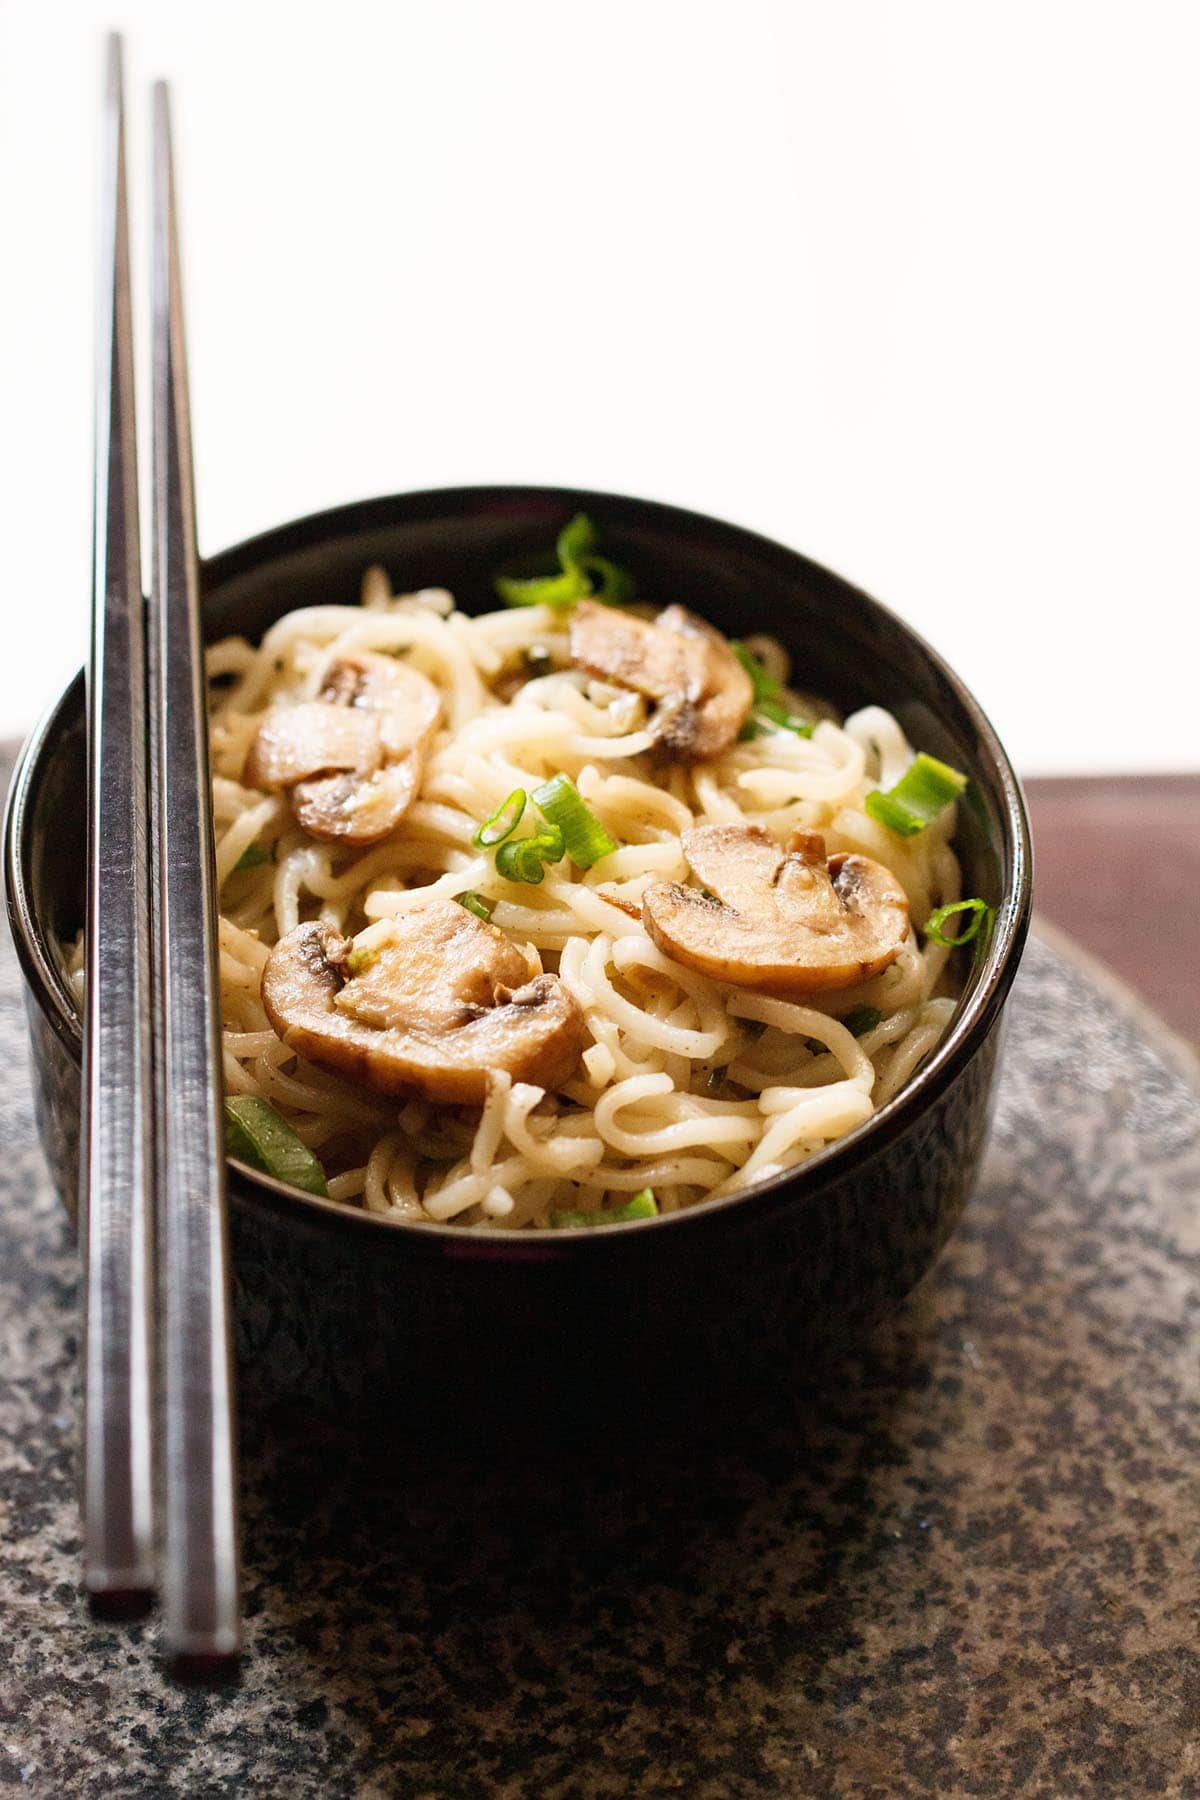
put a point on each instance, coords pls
(566, 914)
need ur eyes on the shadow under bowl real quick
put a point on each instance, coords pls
(423, 1330)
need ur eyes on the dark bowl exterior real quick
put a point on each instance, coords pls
(425, 1328)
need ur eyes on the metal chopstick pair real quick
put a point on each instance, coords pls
(152, 1171)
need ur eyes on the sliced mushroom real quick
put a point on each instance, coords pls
(354, 757)
(702, 691)
(783, 921)
(444, 1001)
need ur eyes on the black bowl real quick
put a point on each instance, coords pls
(422, 1326)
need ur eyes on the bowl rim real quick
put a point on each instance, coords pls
(969, 1028)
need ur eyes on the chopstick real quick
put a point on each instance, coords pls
(116, 1169)
(200, 1564)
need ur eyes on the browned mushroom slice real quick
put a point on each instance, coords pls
(444, 1001)
(354, 756)
(357, 808)
(309, 738)
(702, 691)
(783, 922)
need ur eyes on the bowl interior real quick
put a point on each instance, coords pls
(845, 647)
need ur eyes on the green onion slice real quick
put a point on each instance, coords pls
(255, 1134)
(525, 859)
(584, 837)
(765, 686)
(576, 540)
(862, 1020)
(775, 714)
(475, 903)
(613, 585)
(642, 1206)
(252, 857)
(767, 708)
(510, 863)
(978, 916)
(582, 572)
(545, 590)
(503, 822)
(921, 793)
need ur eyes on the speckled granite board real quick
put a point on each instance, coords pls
(965, 1566)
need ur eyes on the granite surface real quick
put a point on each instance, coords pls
(965, 1564)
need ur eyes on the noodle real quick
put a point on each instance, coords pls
(687, 1086)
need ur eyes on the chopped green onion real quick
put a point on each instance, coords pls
(475, 903)
(576, 540)
(545, 590)
(525, 859)
(503, 822)
(585, 838)
(767, 708)
(509, 863)
(577, 544)
(980, 916)
(255, 1134)
(922, 792)
(360, 959)
(771, 712)
(519, 859)
(252, 857)
(615, 586)
(862, 1020)
(582, 572)
(642, 1206)
(765, 686)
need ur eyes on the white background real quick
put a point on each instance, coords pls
(915, 288)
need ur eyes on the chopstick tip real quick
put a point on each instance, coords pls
(205, 1669)
(120, 1602)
